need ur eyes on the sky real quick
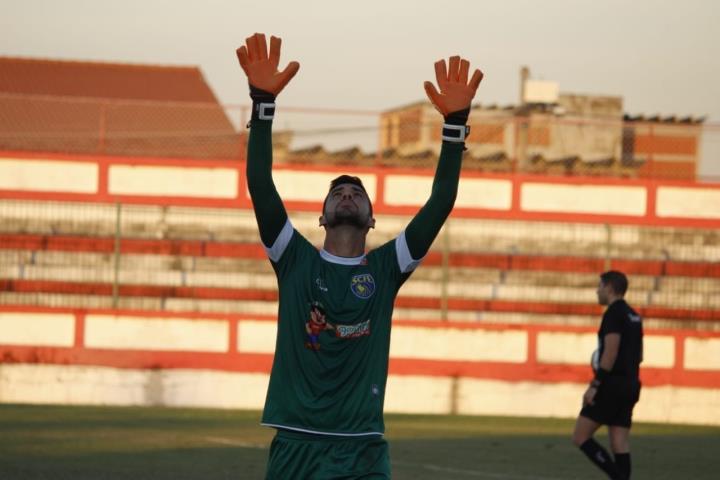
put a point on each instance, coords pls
(661, 56)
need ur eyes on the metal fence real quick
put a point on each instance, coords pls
(87, 255)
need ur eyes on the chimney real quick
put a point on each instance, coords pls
(524, 76)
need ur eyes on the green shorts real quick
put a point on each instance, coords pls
(303, 456)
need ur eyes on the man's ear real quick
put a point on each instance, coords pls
(323, 222)
(371, 222)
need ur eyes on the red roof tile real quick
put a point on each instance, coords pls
(103, 80)
(114, 109)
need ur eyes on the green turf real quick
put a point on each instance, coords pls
(58, 442)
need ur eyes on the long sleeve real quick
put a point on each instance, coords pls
(269, 209)
(424, 227)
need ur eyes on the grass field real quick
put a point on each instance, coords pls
(58, 442)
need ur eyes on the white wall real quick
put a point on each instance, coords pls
(78, 385)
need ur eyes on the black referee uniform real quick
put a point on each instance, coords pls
(620, 391)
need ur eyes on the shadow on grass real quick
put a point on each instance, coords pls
(181, 464)
(509, 458)
(83, 443)
(517, 457)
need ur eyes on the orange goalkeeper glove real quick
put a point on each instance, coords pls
(261, 69)
(455, 95)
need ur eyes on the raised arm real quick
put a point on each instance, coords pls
(453, 102)
(266, 82)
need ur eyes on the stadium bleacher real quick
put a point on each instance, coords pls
(204, 259)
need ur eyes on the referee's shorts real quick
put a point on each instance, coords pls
(614, 402)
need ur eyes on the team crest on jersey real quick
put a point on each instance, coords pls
(363, 285)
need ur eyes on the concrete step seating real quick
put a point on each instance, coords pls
(463, 283)
(491, 236)
(269, 308)
(202, 259)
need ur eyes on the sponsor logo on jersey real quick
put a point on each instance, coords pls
(352, 331)
(363, 285)
(321, 284)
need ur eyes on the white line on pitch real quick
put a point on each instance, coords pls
(472, 473)
(234, 443)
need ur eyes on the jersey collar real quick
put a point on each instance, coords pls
(329, 257)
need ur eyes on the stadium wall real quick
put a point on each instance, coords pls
(145, 358)
(101, 357)
(393, 191)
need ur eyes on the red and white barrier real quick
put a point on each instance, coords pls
(139, 358)
(214, 183)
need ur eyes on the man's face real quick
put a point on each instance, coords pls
(603, 293)
(347, 204)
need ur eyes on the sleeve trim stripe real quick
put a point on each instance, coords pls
(281, 242)
(405, 261)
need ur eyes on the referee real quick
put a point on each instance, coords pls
(612, 394)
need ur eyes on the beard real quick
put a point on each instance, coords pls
(347, 216)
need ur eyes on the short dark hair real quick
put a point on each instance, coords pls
(347, 179)
(617, 281)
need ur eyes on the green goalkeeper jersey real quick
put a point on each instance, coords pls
(329, 375)
(333, 340)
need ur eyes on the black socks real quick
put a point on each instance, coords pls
(602, 459)
(622, 462)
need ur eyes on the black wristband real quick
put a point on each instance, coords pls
(600, 375)
(458, 118)
(455, 133)
(263, 104)
(455, 130)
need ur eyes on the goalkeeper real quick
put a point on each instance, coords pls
(327, 384)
